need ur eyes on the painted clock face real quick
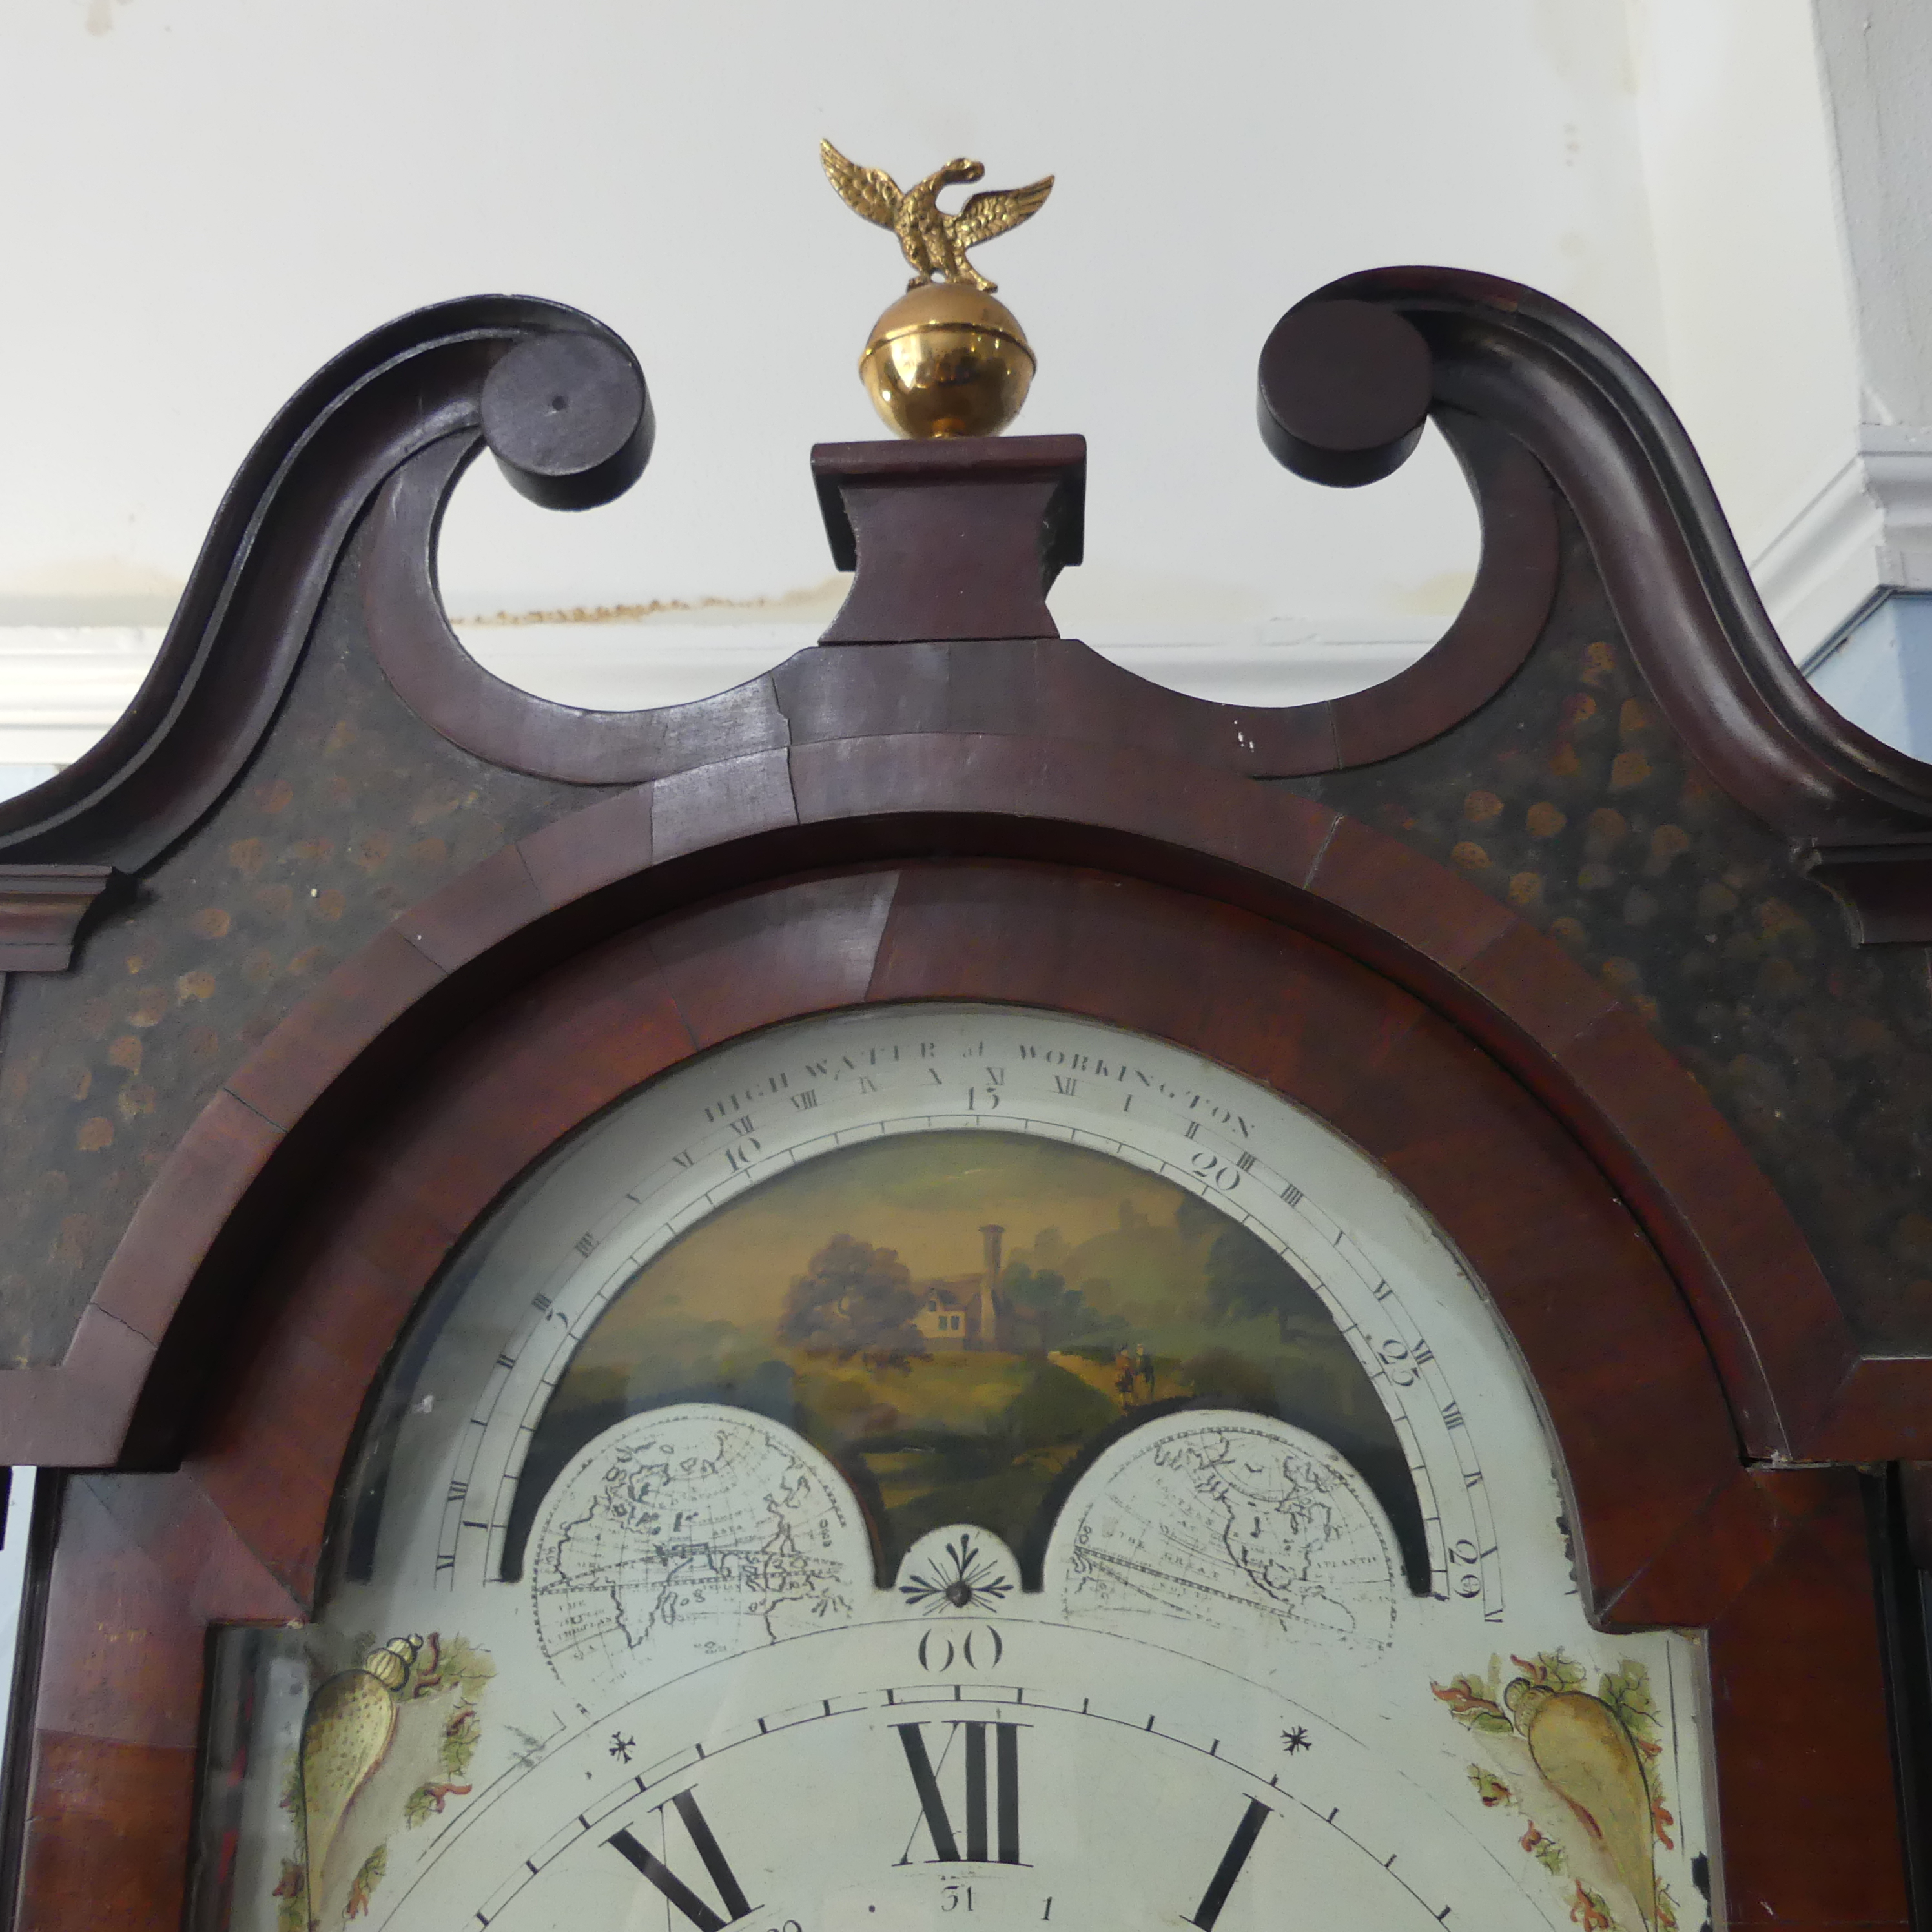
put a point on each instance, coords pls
(945, 1467)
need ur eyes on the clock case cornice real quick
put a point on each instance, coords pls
(1595, 516)
(327, 861)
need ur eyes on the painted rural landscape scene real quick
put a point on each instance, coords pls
(961, 1321)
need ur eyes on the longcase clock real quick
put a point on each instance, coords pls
(949, 1290)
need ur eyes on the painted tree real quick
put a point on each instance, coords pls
(855, 1299)
(1065, 1318)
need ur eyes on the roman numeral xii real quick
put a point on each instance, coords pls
(992, 1801)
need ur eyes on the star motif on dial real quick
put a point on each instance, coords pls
(1296, 1740)
(622, 1747)
(965, 1577)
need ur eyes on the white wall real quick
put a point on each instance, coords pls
(210, 197)
(1738, 164)
(214, 197)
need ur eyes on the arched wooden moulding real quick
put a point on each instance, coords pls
(1583, 1290)
(1791, 1374)
(784, 861)
(1673, 1524)
(1001, 667)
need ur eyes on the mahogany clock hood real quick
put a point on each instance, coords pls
(1596, 927)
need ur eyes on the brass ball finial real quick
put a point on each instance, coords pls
(946, 359)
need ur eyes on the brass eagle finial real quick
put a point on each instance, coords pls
(935, 243)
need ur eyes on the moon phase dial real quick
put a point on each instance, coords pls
(712, 1135)
(940, 1464)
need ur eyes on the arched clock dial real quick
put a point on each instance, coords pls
(752, 1113)
(943, 1463)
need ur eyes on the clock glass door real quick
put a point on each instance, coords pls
(951, 1467)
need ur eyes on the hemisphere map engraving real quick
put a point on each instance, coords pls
(1238, 1521)
(687, 1533)
(697, 1531)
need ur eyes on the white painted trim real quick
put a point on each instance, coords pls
(1821, 568)
(1869, 529)
(60, 689)
(14, 1529)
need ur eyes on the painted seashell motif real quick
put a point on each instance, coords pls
(1587, 1758)
(351, 1720)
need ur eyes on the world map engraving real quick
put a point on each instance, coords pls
(1239, 1521)
(684, 1533)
